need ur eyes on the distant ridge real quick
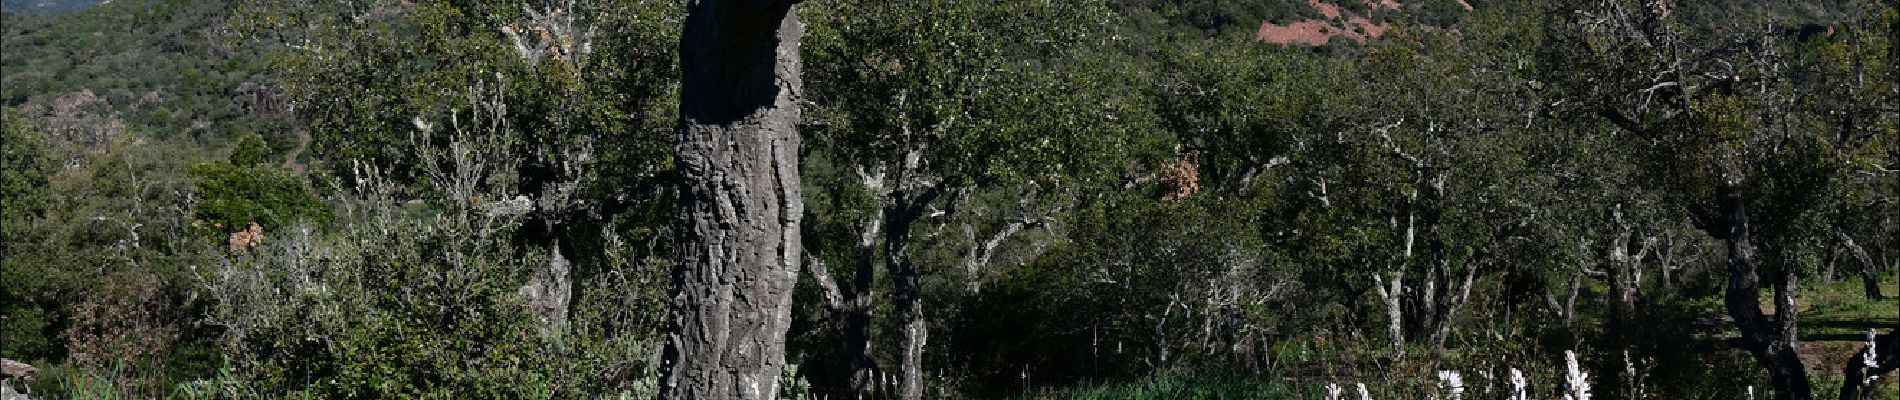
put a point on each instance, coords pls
(46, 6)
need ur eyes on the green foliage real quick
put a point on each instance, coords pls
(233, 196)
(420, 299)
(1190, 201)
(101, 275)
(985, 93)
(23, 170)
(162, 67)
(249, 151)
(23, 202)
(592, 107)
(1137, 272)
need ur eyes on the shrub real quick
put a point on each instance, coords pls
(413, 293)
(232, 196)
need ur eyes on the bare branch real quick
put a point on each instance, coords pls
(834, 298)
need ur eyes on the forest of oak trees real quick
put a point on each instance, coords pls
(931, 199)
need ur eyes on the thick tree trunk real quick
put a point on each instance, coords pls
(857, 313)
(549, 290)
(907, 281)
(1787, 316)
(738, 234)
(1759, 335)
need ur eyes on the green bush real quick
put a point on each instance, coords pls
(232, 196)
(23, 181)
(414, 293)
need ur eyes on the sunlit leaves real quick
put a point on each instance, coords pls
(988, 90)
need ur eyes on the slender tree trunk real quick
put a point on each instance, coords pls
(1759, 335)
(1869, 270)
(1666, 260)
(1569, 307)
(852, 311)
(1453, 304)
(738, 230)
(1390, 292)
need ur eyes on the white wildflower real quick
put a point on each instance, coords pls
(1518, 384)
(1453, 383)
(1577, 381)
(1869, 362)
(1872, 353)
(1630, 375)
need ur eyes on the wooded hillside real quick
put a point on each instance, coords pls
(931, 199)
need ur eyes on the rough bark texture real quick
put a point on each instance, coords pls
(1759, 334)
(550, 289)
(738, 233)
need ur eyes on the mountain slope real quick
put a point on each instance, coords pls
(158, 68)
(47, 6)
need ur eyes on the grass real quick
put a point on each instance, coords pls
(1841, 311)
(1835, 317)
(70, 382)
(1183, 386)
